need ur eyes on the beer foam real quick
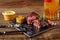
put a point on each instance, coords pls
(8, 13)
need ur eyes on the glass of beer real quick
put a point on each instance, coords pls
(9, 15)
(51, 9)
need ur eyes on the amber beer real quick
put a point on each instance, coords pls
(9, 15)
(51, 9)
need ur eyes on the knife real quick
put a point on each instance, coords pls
(8, 32)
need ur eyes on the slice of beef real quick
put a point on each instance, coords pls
(29, 20)
(34, 14)
(36, 24)
(32, 17)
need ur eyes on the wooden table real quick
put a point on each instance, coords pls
(27, 7)
(49, 35)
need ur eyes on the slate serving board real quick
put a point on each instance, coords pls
(26, 29)
(42, 30)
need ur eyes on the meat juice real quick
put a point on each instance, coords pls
(51, 9)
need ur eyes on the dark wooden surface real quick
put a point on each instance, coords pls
(25, 7)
